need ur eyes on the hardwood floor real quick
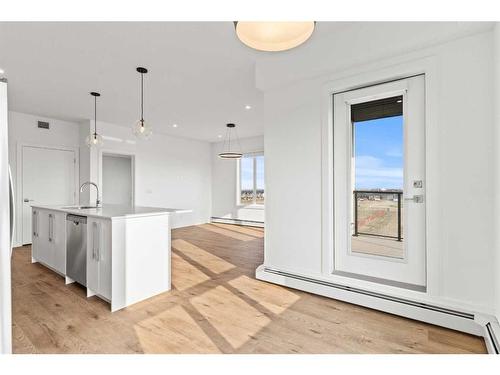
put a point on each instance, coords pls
(216, 306)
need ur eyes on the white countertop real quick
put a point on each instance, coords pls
(113, 211)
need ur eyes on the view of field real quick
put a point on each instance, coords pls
(378, 218)
(247, 196)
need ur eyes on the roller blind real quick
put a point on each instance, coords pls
(387, 107)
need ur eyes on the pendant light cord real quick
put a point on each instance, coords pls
(226, 146)
(142, 99)
(95, 116)
(238, 139)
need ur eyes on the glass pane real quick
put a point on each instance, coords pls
(259, 170)
(378, 186)
(246, 180)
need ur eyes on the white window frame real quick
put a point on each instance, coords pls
(254, 203)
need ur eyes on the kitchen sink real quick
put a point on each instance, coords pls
(78, 207)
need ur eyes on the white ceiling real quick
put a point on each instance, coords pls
(200, 76)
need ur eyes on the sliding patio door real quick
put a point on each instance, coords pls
(379, 183)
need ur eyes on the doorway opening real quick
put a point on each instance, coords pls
(118, 179)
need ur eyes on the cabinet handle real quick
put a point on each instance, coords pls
(98, 249)
(35, 223)
(95, 241)
(51, 227)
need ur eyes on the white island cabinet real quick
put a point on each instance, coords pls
(127, 249)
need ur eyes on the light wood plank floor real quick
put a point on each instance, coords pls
(216, 306)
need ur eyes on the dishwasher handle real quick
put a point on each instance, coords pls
(76, 219)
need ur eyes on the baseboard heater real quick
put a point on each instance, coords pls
(493, 340)
(224, 220)
(374, 294)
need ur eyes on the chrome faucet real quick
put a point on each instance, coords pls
(97, 201)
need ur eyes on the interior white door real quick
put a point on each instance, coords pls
(117, 179)
(48, 178)
(379, 183)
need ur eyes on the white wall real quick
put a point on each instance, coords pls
(224, 184)
(5, 281)
(169, 171)
(294, 109)
(23, 129)
(496, 172)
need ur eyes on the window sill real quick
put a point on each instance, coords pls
(251, 206)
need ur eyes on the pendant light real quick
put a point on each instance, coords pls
(94, 139)
(273, 36)
(228, 152)
(141, 129)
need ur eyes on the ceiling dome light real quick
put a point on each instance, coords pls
(228, 152)
(94, 139)
(273, 36)
(141, 129)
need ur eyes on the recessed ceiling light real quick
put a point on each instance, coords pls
(219, 136)
(2, 71)
(248, 107)
(174, 125)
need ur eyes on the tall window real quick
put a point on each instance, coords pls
(251, 172)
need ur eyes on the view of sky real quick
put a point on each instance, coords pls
(247, 172)
(379, 153)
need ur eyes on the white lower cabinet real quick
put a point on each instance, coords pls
(39, 245)
(49, 239)
(57, 230)
(99, 257)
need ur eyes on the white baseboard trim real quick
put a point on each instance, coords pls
(249, 223)
(464, 321)
(492, 336)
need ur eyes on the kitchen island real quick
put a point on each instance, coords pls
(119, 253)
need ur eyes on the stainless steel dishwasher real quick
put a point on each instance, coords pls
(76, 248)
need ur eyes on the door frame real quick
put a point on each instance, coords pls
(360, 78)
(19, 180)
(412, 267)
(111, 152)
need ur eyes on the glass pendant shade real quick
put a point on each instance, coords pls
(142, 130)
(273, 36)
(94, 140)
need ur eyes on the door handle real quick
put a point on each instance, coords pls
(416, 198)
(26, 200)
